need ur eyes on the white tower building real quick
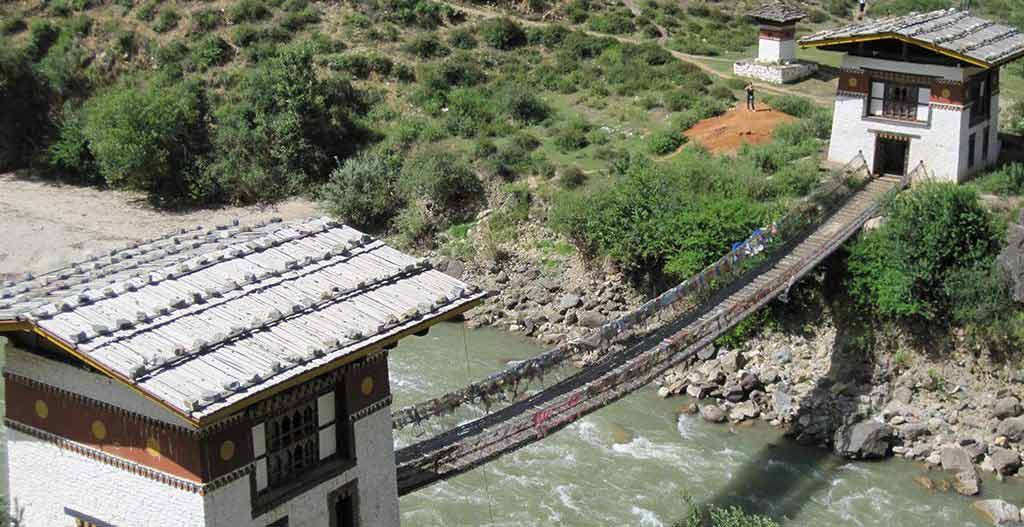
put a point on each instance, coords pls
(920, 88)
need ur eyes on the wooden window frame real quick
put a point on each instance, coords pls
(896, 109)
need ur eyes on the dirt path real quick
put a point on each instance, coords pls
(46, 225)
(685, 57)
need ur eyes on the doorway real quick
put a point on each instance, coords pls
(343, 507)
(891, 155)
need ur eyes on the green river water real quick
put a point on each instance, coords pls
(633, 462)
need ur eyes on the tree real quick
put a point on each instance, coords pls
(364, 191)
(24, 120)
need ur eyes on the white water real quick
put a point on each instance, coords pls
(581, 476)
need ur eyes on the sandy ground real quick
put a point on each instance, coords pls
(728, 132)
(47, 225)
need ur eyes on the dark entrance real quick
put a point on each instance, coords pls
(891, 155)
(342, 502)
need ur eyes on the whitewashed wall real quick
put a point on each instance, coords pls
(769, 50)
(230, 506)
(44, 479)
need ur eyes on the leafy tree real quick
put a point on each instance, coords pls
(148, 135)
(281, 129)
(70, 152)
(932, 234)
(502, 33)
(24, 120)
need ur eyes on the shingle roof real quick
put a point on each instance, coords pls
(778, 11)
(955, 32)
(203, 319)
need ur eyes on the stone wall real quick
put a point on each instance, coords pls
(774, 73)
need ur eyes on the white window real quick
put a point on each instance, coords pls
(924, 97)
(877, 96)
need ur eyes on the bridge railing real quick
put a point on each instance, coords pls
(498, 385)
(473, 446)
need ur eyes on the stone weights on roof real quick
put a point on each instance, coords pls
(778, 12)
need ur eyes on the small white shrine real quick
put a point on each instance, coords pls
(776, 45)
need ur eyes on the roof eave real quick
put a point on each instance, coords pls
(804, 43)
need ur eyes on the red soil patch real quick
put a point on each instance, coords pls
(726, 133)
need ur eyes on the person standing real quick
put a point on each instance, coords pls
(749, 88)
(863, 6)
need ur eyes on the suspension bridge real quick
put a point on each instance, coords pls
(639, 347)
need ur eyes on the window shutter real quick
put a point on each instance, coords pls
(877, 95)
(259, 441)
(325, 408)
(261, 474)
(924, 97)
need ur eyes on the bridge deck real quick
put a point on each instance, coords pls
(620, 373)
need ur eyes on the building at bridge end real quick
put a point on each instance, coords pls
(236, 376)
(919, 88)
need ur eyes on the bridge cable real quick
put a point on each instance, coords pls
(483, 470)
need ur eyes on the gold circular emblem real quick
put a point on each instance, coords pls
(852, 82)
(42, 410)
(946, 93)
(227, 450)
(153, 447)
(99, 430)
(367, 385)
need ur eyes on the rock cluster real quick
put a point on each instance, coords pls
(550, 306)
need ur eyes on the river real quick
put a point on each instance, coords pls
(633, 462)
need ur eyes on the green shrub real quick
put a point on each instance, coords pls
(677, 100)
(210, 51)
(1006, 180)
(11, 25)
(414, 226)
(502, 33)
(206, 20)
(167, 20)
(245, 35)
(469, 112)
(792, 104)
(80, 25)
(147, 11)
(247, 11)
(147, 135)
(63, 68)
(426, 46)
(70, 152)
(522, 104)
(618, 22)
(298, 20)
(443, 181)
(572, 135)
(572, 177)
(24, 108)
(280, 129)
(364, 191)
(41, 35)
(902, 7)
(462, 38)
(933, 231)
(664, 143)
(720, 517)
(818, 16)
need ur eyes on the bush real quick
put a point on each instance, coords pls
(148, 135)
(720, 517)
(247, 11)
(792, 104)
(147, 11)
(364, 191)
(80, 25)
(298, 20)
(462, 38)
(426, 46)
(206, 20)
(210, 51)
(12, 24)
(24, 109)
(443, 181)
(572, 135)
(280, 130)
(1007, 180)
(932, 232)
(63, 68)
(572, 177)
(618, 22)
(41, 35)
(469, 112)
(167, 20)
(502, 33)
(522, 104)
(70, 152)
(664, 143)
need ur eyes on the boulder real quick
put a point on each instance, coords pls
(706, 353)
(967, 483)
(749, 382)
(591, 319)
(784, 355)
(999, 512)
(731, 361)
(863, 440)
(454, 269)
(1012, 428)
(743, 411)
(712, 413)
(902, 394)
(1006, 407)
(568, 302)
(734, 393)
(956, 458)
(783, 403)
(1004, 461)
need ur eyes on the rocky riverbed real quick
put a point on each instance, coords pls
(954, 412)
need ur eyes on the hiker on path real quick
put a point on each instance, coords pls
(750, 96)
(863, 6)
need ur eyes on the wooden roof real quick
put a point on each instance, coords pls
(202, 321)
(951, 32)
